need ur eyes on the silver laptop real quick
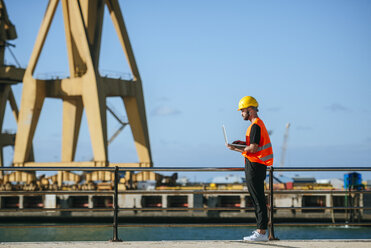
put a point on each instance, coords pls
(226, 139)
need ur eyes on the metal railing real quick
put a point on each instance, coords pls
(115, 194)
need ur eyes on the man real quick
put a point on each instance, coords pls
(258, 155)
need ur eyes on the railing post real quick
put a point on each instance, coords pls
(115, 207)
(271, 220)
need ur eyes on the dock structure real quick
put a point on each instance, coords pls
(192, 244)
(332, 206)
(152, 208)
(327, 206)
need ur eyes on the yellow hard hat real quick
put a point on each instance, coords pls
(247, 101)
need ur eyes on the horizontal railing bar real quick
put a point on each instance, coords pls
(178, 192)
(243, 224)
(142, 192)
(121, 209)
(190, 225)
(129, 225)
(242, 192)
(323, 169)
(324, 224)
(15, 193)
(56, 210)
(187, 225)
(56, 168)
(322, 192)
(51, 225)
(184, 169)
(171, 209)
(61, 168)
(324, 208)
(121, 169)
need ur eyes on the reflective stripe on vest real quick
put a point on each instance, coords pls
(264, 154)
(264, 147)
(266, 157)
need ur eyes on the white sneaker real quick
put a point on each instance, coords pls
(256, 237)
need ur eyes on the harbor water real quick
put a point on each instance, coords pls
(21, 234)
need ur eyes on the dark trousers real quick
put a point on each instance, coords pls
(255, 176)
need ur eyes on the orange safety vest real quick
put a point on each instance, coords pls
(264, 155)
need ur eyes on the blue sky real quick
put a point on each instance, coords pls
(306, 62)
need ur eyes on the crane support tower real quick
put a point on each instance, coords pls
(84, 89)
(9, 75)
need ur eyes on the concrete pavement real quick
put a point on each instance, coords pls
(193, 244)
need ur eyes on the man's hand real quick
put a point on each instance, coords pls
(233, 148)
(230, 147)
(252, 148)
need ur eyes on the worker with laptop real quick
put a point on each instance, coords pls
(258, 154)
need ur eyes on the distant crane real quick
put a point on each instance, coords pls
(284, 145)
(283, 152)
